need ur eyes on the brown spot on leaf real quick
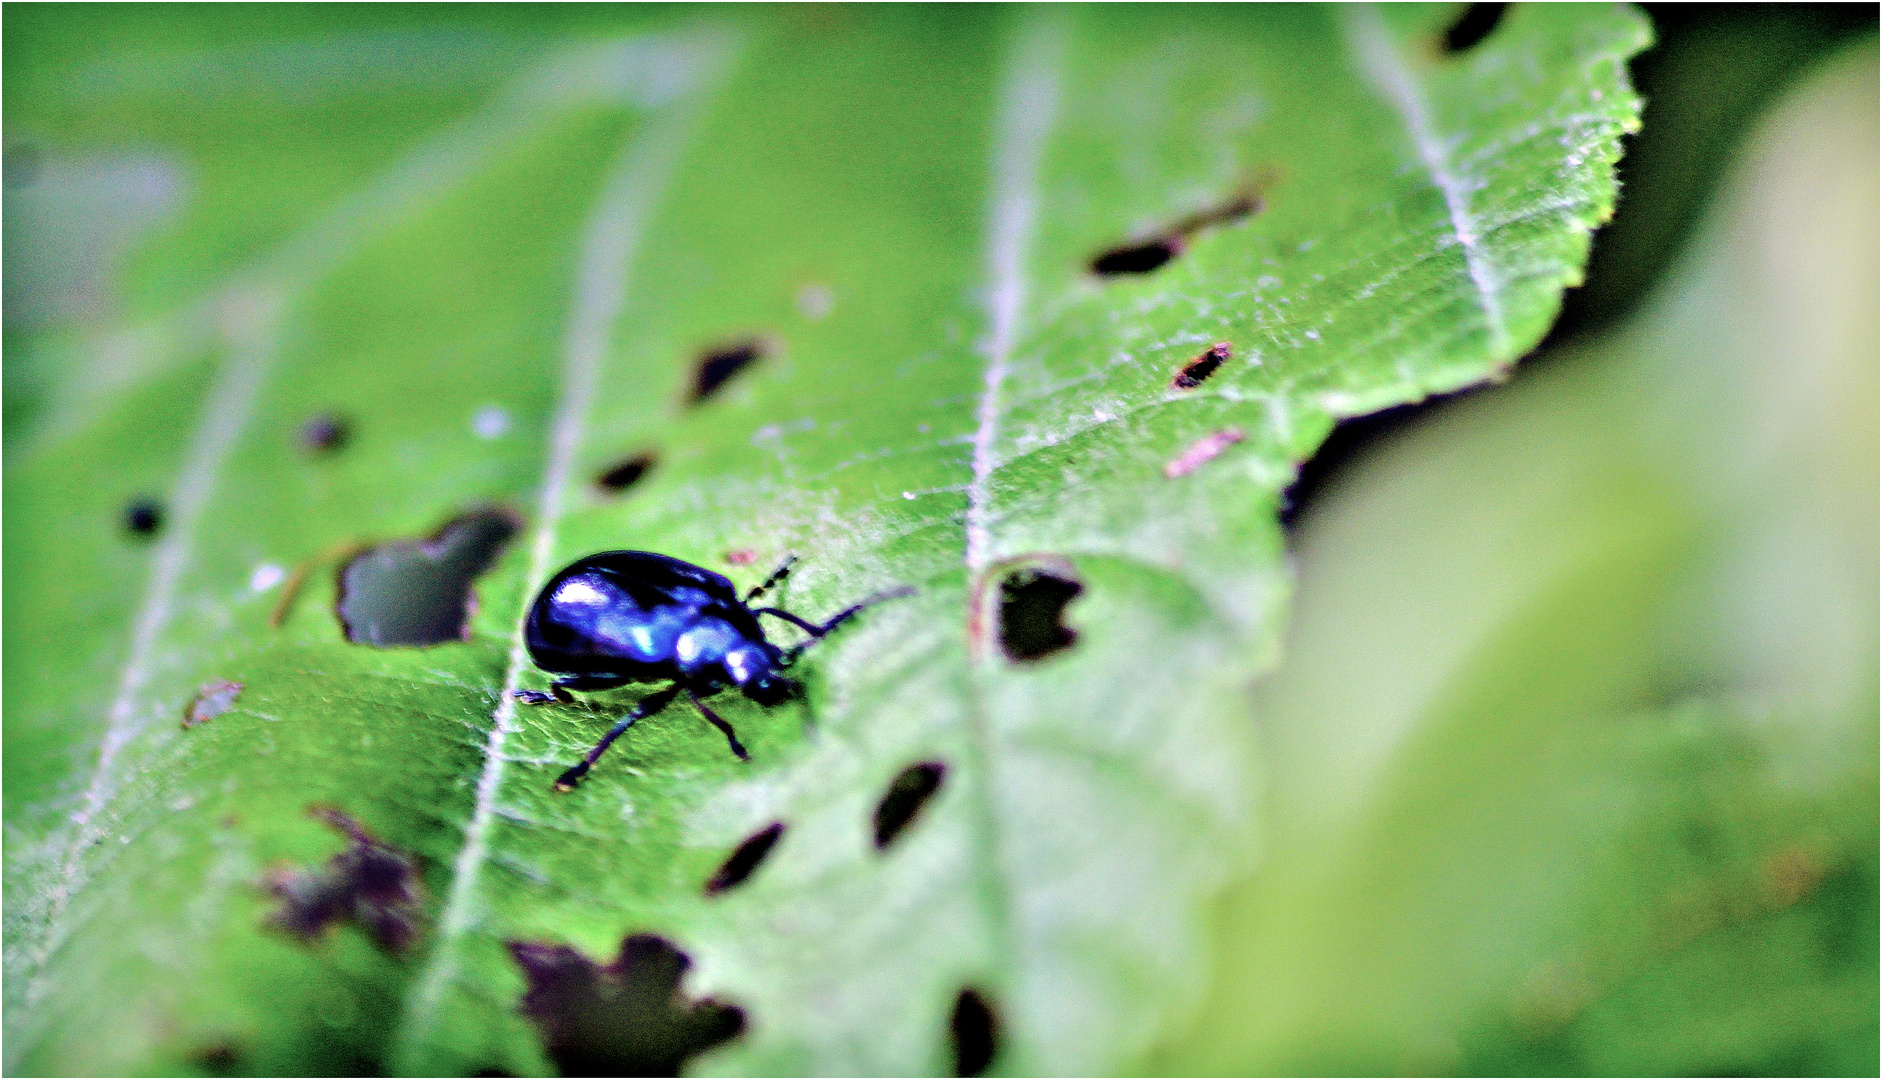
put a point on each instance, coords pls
(219, 1059)
(1202, 451)
(626, 1018)
(418, 592)
(211, 700)
(741, 557)
(371, 884)
(1790, 875)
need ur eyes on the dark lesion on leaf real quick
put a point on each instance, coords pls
(976, 1033)
(325, 433)
(1192, 374)
(716, 366)
(1032, 612)
(143, 517)
(418, 592)
(1477, 22)
(626, 472)
(212, 700)
(746, 859)
(629, 1017)
(1150, 253)
(907, 794)
(370, 884)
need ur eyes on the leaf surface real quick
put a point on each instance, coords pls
(901, 209)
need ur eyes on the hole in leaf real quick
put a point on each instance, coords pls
(910, 791)
(1191, 375)
(1137, 258)
(143, 517)
(746, 859)
(1477, 22)
(976, 1033)
(418, 592)
(1032, 612)
(370, 884)
(719, 365)
(626, 1018)
(325, 433)
(1146, 255)
(626, 473)
(211, 700)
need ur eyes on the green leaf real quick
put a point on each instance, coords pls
(901, 208)
(1573, 753)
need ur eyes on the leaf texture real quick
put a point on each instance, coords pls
(900, 211)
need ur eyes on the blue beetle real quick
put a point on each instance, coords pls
(633, 616)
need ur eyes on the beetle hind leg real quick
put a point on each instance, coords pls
(559, 689)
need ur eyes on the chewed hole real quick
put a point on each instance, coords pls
(1144, 256)
(628, 1017)
(325, 433)
(906, 796)
(211, 700)
(1191, 375)
(143, 517)
(624, 474)
(1032, 613)
(370, 884)
(1477, 22)
(418, 592)
(746, 859)
(1136, 258)
(719, 365)
(976, 1032)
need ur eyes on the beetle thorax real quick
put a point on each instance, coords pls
(712, 650)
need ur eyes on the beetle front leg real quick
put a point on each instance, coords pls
(716, 721)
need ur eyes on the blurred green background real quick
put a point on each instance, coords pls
(1508, 831)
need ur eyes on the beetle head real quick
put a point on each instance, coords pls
(771, 688)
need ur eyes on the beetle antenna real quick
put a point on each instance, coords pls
(642, 709)
(724, 728)
(783, 571)
(834, 621)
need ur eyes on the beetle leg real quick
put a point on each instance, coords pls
(713, 717)
(783, 571)
(646, 707)
(559, 689)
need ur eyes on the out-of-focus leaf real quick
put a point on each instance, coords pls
(898, 213)
(1573, 759)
